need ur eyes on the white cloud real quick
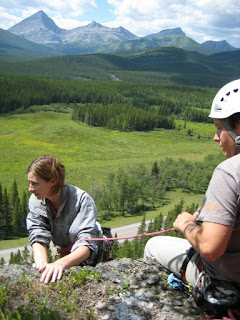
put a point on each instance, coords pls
(200, 20)
(14, 11)
(69, 23)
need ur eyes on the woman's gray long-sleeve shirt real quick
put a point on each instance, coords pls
(75, 220)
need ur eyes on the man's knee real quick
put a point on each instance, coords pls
(151, 246)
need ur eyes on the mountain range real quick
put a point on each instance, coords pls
(37, 47)
(14, 48)
(153, 66)
(96, 38)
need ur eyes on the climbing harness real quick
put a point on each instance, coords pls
(183, 268)
(219, 299)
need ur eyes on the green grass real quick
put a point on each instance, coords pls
(171, 200)
(8, 244)
(91, 153)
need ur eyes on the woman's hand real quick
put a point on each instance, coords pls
(40, 265)
(52, 272)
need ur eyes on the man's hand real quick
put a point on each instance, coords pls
(183, 220)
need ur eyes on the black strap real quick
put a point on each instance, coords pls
(183, 268)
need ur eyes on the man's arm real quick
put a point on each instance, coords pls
(210, 239)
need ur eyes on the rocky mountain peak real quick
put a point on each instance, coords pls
(218, 46)
(95, 24)
(175, 32)
(39, 28)
(37, 21)
(167, 32)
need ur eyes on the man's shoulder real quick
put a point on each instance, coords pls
(231, 165)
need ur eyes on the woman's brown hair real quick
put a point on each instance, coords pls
(47, 167)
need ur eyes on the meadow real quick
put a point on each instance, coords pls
(91, 153)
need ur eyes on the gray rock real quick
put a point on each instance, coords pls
(128, 289)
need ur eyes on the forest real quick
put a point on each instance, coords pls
(13, 212)
(117, 106)
(172, 101)
(122, 117)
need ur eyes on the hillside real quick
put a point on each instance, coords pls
(218, 46)
(169, 65)
(169, 40)
(14, 48)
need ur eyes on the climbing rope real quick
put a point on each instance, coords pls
(129, 237)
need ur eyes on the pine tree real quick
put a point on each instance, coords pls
(14, 194)
(158, 222)
(155, 170)
(115, 248)
(2, 216)
(23, 213)
(123, 194)
(172, 215)
(7, 229)
(142, 228)
(16, 226)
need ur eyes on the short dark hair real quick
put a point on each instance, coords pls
(234, 119)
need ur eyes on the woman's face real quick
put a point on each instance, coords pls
(40, 187)
(224, 140)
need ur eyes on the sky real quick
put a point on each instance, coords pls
(201, 20)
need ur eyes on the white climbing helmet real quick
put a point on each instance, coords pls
(226, 101)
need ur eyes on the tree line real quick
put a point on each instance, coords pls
(121, 117)
(135, 248)
(13, 212)
(139, 189)
(18, 93)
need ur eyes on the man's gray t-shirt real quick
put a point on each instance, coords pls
(222, 205)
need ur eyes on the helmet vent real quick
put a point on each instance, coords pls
(228, 94)
(222, 99)
(235, 90)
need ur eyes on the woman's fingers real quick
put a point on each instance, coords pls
(40, 266)
(52, 273)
